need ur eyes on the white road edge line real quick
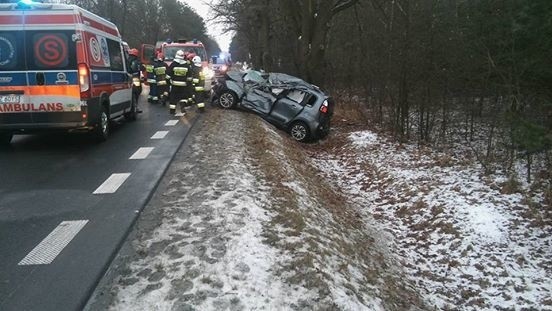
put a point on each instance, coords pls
(160, 135)
(112, 183)
(141, 153)
(52, 245)
(171, 123)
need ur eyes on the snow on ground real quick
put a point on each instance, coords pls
(208, 252)
(242, 222)
(464, 243)
(346, 290)
(250, 220)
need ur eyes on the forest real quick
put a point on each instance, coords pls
(149, 21)
(434, 72)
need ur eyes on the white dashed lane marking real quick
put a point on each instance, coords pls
(112, 183)
(171, 123)
(141, 153)
(160, 135)
(52, 245)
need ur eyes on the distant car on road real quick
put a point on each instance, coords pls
(220, 66)
(290, 103)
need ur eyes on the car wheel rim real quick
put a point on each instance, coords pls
(226, 100)
(298, 132)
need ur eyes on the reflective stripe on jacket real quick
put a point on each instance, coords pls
(178, 83)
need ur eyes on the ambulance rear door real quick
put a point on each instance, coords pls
(52, 69)
(13, 74)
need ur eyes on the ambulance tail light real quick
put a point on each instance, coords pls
(84, 81)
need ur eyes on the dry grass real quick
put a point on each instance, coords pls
(344, 234)
(511, 186)
(444, 160)
(349, 112)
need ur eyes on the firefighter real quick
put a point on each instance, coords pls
(190, 57)
(150, 78)
(135, 68)
(179, 71)
(160, 69)
(198, 81)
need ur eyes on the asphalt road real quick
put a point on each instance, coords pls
(57, 237)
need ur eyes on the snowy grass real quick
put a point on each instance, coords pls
(209, 253)
(332, 252)
(465, 243)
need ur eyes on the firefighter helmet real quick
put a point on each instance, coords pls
(197, 61)
(179, 57)
(179, 54)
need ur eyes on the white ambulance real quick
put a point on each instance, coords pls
(61, 68)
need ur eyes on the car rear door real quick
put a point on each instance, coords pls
(288, 106)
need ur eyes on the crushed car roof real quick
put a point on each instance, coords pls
(276, 79)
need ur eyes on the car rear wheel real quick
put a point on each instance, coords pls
(5, 138)
(299, 131)
(227, 100)
(101, 132)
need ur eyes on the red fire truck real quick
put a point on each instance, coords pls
(169, 50)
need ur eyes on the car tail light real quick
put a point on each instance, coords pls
(324, 108)
(84, 81)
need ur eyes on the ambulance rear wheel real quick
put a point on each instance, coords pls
(5, 138)
(101, 132)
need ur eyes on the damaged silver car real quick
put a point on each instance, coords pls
(288, 102)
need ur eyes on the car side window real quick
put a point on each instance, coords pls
(115, 55)
(297, 96)
(309, 100)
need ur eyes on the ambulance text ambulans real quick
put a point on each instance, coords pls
(61, 68)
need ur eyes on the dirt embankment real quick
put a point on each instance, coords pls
(242, 221)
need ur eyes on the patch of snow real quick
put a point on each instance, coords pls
(209, 251)
(466, 245)
(363, 138)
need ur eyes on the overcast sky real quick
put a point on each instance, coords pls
(202, 9)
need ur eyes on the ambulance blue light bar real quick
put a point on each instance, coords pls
(29, 4)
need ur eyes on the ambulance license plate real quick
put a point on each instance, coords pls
(9, 99)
